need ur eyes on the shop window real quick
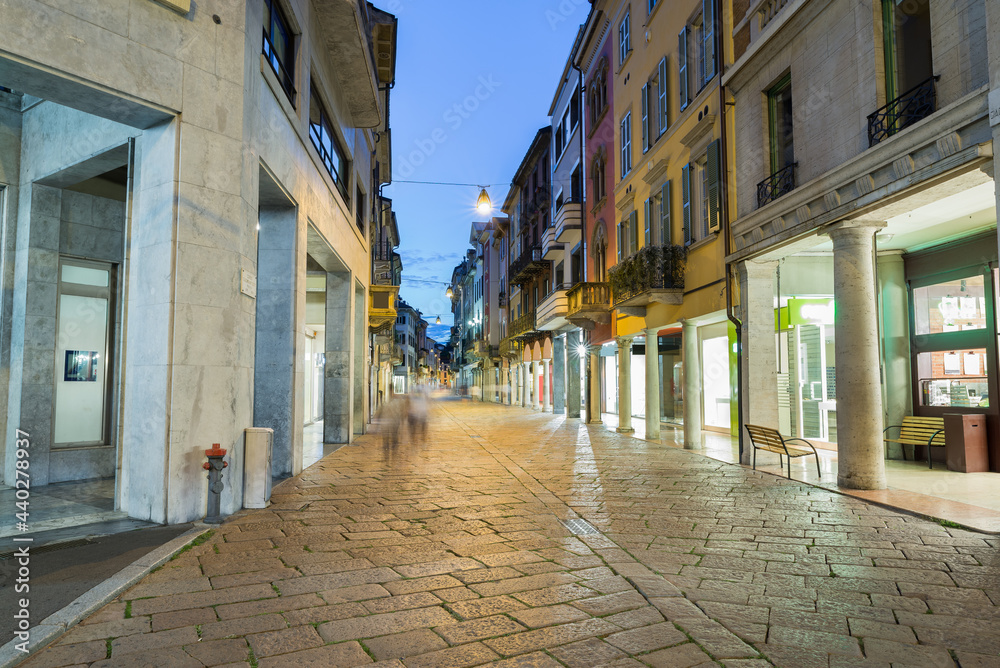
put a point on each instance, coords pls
(953, 378)
(952, 306)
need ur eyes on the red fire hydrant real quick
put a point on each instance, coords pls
(214, 466)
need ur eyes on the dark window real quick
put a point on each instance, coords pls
(576, 187)
(279, 47)
(779, 105)
(325, 140)
(359, 209)
(906, 29)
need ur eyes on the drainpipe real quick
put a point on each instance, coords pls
(727, 233)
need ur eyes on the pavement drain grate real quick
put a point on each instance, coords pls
(579, 527)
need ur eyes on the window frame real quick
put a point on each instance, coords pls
(624, 38)
(341, 182)
(625, 133)
(285, 72)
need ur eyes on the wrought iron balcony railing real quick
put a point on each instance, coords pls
(523, 325)
(776, 185)
(589, 297)
(914, 105)
(651, 268)
(527, 264)
(511, 347)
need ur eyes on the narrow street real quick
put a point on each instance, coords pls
(468, 549)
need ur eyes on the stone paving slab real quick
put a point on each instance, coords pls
(452, 552)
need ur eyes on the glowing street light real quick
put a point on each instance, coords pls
(484, 205)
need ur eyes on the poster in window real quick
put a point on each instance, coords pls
(81, 366)
(972, 367)
(952, 364)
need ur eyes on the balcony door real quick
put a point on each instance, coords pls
(906, 34)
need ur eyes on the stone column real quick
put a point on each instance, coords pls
(546, 379)
(526, 385)
(758, 357)
(573, 374)
(652, 385)
(861, 463)
(895, 323)
(559, 375)
(536, 374)
(594, 385)
(692, 387)
(337, 411)
(624, 384)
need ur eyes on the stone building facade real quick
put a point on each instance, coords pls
(171, 186)
(865, 205)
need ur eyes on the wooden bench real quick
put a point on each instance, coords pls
(765, 438)
(917, 430)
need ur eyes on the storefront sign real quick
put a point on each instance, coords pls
(810, 311)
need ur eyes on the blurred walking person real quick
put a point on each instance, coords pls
(418, 410)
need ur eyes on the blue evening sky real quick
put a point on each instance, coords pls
(474, 82)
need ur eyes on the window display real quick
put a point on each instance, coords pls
(952, 306)
(953, 378)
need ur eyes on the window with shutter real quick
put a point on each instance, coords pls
(633, 232)
(621, 240)
(626, 141)
(645, 117)
(686, 199)
(708, 36)
(662, 94)
(714, 186)
(666, 231)
(682, 66)
(647, 213)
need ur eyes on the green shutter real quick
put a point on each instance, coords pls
(666, 231)
(648, 222)
(686, 197)
(662, 78)
(714, 186)
(633, 232)
(621, 244)
(645, 117)
(708, 25)
(682, 67)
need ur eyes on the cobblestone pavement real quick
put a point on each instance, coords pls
(455, 553)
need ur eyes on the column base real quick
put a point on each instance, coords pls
(861, 482)
(692, 446)
(558, 411)
(626, 430)
(596, 422)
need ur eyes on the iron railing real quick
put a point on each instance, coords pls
(511, 347)
(284, 78)
(531, 257)
(651, 268)
(914, 105)
(776, 185)
(523, 325)
(589, 296)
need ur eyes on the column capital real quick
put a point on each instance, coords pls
(757, 268)
(651, 331)
(594, 349)
(624, 340)
(854, 228)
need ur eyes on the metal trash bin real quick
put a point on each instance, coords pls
(965, 443)
(257, 467)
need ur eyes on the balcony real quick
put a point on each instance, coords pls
(767, 10)
(523, 326)
(780, 183)
(551, 250)
(528, 264)
(589, 304)
(381, 305)
(655, 274)
(914, 105)
(569, 223)
(511, 348)
(552, 311)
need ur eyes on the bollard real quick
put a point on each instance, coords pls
(214, 466)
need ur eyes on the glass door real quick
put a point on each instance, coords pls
(83, 353)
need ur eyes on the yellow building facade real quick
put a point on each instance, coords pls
(669, 275)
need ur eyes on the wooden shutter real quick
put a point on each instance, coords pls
(708, 25)
(648, 222)
(666, 230)
(682, 66)
(714, 187)
(633, 231)
(645, 117)
(686, 197)
(662, 91)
